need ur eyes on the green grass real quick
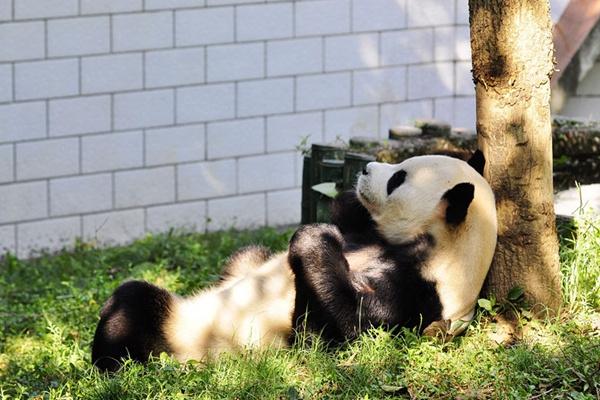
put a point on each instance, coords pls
(49, 308)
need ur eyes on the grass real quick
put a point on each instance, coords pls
(49, 308)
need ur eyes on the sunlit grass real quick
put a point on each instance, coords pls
(49, 309)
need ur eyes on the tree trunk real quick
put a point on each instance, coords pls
(512, 52)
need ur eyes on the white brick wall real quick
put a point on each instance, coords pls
(120, 117)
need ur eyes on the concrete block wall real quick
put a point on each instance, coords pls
(122, 117)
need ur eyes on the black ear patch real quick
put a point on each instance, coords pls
(459, 198)
(395, 181)
(477, 161)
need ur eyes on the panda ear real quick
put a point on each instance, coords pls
(477, 161)
(458, 200)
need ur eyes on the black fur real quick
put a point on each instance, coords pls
(340, 303)
(458, 198)
(395, 181)
(131, 324)
(353, 219)
(477, 161)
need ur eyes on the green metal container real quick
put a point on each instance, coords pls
(320, 152)
(354, 163)
(330, 170)
(306, 189)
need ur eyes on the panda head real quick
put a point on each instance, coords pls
(436, 195)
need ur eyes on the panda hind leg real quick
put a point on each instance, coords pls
(244, 260)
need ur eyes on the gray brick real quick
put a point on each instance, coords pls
(29, 9)
(114, 228)
(430, 12)
(379, 85)
(109, 6)
(377, 15)
(23, 201)
(30, 37)
(209, 26)
(206, 179)
(323, 91)
(170, 4)
(48, 236)
(43, 79)
(464, 79)
(205, 103)
(174, 67)
(142, 31)
(234, 62)
(5, 15)
(264, 21)
(80, 115)
(350, 122)
(407, 47)
(112, 151)
(297, 56)
(22, 121)
(271, 96)
(144, 187)
(266, 172)
(404, 113)
(175, 145)
(322, 17)
(351, 52)
(6, 82)
(239, 212)
(111, 73)
(464, 112)
(430, 80)
(6, 163)
(236, 138)
(78, 36)
(189, 217)
(81, 194)
(144, 109)
(283, 207)
(48, 158)
(286, 132)
(7, 240)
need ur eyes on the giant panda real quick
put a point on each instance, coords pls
(410, 247)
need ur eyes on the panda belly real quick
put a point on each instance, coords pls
(249, 311)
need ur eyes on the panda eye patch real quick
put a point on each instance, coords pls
(395, 181)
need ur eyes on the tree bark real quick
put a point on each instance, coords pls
(512, 53)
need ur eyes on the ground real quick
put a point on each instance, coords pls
(49, 308)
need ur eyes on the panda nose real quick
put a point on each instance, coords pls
(365, 172)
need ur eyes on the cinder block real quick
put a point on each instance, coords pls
(378, 15)
(6, 83)
(47, 158)
(227, 2)
(171, 4)
(111, 73)
(322, 17)
(430, 80)
(29, 35)
(23, 201)
(207, 26)
(351, 52)
(292, 57)
(5, 15)
(144, 109)
(286, 132)
(236, 138)
(142, 31)
(464, 112)
(22, 121)
(6, 163)
(443, 109)
(80, 115)
(407, 47)
(462, 12)
(47, 236)
(175, 145)
(462, 46)
(379, 85)
(189, 217)
(445, 42)
(271, 96)
(264, 21)
(110, 6)
(114, 228)
(205, 103)
(316, 92)
(206, 179)
(590, 85)
(430, 13)
(404, 113)
(78, 36)
(174, 67)
(7, 240)
(144, 187)
(43, 79)
(464, 79)
(241, 212)
(81, 194)
(112, 151)
(344, 124)
(235, 61)
(29, 9)
(266, 172)
(283, 207)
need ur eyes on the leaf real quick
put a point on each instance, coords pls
(515, 293)
(485, 304)
(326, 188)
